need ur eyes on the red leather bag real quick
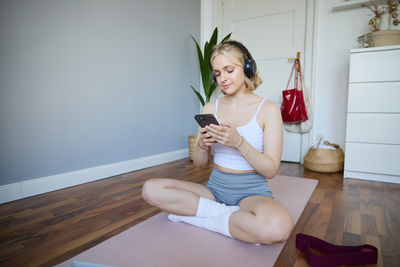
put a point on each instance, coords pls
(293, 108)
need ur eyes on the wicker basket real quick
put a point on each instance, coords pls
(192, 144)
(324, 160)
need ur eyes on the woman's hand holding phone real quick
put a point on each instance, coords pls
(225, 134)
(211, 131)
(204, 120)
(205, 139)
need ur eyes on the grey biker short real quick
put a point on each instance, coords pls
(231, 188)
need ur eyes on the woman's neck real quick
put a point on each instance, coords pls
(240, 96)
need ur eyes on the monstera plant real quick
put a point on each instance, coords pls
(208, 83)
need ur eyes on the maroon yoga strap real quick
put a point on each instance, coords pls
(334, 255)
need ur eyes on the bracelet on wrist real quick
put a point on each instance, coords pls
(240, 143)
(240, 150)
(245, 154)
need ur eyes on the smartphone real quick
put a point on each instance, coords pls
(206, 119)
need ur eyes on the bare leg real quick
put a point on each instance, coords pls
(261, 220)
(175, 196)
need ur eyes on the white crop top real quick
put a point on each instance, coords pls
(230, 157)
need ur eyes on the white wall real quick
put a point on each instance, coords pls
(93, 88)
(336, 36)
(86, 83)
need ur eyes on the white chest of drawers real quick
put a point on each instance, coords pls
(372, 149)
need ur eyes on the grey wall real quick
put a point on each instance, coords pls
(85, 83)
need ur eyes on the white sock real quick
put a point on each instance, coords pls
(219, 224)
(211, 208)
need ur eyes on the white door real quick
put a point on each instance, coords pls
(273, 31)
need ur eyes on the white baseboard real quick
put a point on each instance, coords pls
(372, 177)
(42, 185)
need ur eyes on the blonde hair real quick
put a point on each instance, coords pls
(232, 51)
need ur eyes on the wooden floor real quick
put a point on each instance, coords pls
(47, 229)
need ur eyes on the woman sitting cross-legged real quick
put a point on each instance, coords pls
(247, 148)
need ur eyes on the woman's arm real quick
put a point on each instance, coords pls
(268, 162)
(200, 154)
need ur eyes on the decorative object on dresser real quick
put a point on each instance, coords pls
(385, 38)
(373, 115)
(385, 23)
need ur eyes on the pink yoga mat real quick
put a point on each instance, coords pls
(160, 242)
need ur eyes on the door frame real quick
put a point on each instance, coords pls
(211, 17)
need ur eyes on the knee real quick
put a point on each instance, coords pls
(150, 190)
(276, 230)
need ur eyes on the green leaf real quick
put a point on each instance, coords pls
(214, 37)
(213, 86)
(226, 37)
(207, 79)
(206, 45)
(199, 96)
(204, 67)
(208, 49)
(199, 53)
